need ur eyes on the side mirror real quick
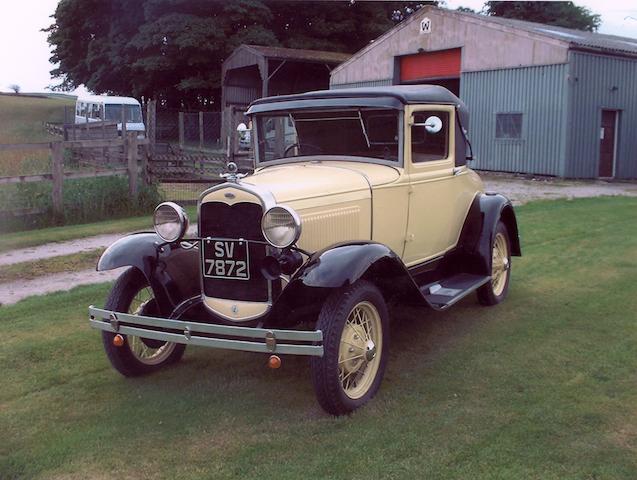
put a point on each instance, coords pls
(433, 124)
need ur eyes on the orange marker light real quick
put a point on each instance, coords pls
(118, 340)
(274, 361)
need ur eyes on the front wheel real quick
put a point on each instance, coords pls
(137, 356)
(497, 288)
(355, 326)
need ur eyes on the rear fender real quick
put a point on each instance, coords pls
(172, 271)
(479, 229)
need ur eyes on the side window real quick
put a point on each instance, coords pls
(96, 113)
(430, 136)
(508, 126)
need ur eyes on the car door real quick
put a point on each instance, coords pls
(439, 198)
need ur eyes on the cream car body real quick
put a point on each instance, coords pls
(358, 197)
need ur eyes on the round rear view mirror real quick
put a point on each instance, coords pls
(242, 128)
(433, 124)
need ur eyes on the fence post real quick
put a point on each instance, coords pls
(200, 130)
(181, 130)
(131, 139)
(151, 124)
(57, 172)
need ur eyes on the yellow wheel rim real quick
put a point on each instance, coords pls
(141, 351)
(360, 350)
(499, 264)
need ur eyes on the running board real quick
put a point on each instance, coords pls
(441, 295)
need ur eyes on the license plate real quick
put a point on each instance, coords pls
(225, 259)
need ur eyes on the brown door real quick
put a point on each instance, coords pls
(607, 143)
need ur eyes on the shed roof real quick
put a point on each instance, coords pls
(576, 38)
(298, 54)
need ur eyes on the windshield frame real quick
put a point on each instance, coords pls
(328, 157)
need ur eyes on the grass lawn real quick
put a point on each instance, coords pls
(543, 386)
(32, 238)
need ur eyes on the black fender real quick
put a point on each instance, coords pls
(474, 245)
(171, 271)
(338, 266)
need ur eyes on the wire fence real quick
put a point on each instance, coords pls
(191, 130)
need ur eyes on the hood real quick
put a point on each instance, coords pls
(296, 181)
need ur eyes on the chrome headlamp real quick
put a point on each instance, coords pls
(170, 221)
(281, 226)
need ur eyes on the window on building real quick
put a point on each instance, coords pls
(429, 136)
(508, 125)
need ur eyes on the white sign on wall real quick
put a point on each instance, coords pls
(425, 25)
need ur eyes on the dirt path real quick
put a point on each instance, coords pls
(522, 190)
(57, 249)
(519, 189)
(63, 248)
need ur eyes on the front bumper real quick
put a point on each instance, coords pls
(247, 339)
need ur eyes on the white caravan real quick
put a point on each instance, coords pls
(96, 108)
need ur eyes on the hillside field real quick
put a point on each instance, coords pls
(22, 121)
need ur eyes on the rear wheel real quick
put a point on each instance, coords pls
(355, 326)
(137, 356)
(497, 288)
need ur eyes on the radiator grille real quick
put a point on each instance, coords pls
(241, 220)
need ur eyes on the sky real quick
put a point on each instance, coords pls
(24, 51)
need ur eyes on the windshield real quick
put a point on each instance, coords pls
(371, 133)
(133, 113)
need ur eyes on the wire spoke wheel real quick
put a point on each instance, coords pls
(355, 325)
(132, 294)
(358, 357)
(148, 352)
(500, 264)
(495, 291)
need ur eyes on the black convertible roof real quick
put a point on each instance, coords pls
(395, 96)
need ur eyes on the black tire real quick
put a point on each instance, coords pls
(123, 358)
(326, 371)
(492, 293)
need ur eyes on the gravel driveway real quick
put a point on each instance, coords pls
(522, 190)
(519, 189)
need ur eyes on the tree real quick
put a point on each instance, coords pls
(172, 50)
(15, 87)
(561, 14)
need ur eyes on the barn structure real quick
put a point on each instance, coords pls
(254, 71)
(543, 99)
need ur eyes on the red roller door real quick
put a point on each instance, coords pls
(440, 64)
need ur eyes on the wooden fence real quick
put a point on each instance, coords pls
(135, 163)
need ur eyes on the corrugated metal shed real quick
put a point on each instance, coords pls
(573, 92)
(536, 92)
(601, 82)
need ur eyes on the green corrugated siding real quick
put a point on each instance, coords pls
(540, 94)
(594, 78)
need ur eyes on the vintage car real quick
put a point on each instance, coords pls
(359, 197)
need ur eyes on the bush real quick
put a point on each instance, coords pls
(85, 200)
